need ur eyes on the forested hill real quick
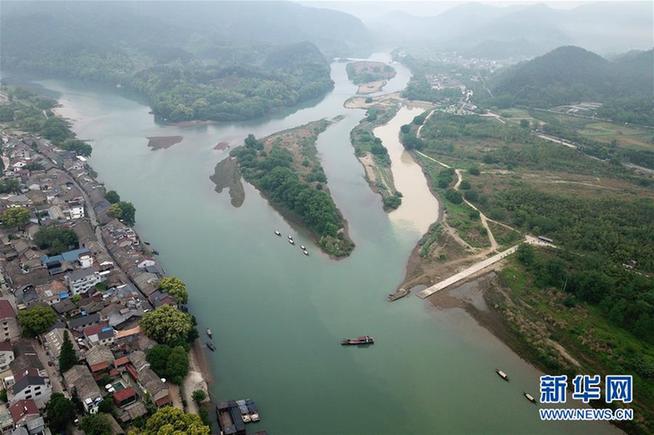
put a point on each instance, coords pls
(571, 74)
(191, 60)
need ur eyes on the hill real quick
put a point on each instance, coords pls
(571, 74)
(482, 30)
(191, 60)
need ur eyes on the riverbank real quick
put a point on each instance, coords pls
(374, 157)
(286, 169)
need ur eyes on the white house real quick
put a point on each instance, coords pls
(82, 280)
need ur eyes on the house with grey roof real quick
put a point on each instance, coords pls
(79, 381)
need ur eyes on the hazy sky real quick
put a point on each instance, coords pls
(369, 9)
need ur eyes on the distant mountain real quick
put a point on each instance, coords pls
(206, 60)
(491, 31)
(153, 27)
(572, 74)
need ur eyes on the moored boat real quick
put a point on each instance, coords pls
(291, 241)
(530, 398)
(364, 339)
(398, 294)
(290, 237)
(305, 252)
(211, 346)
(303, 248)
(502, 375)
(277, 233)
(252, 407)
(209, 333)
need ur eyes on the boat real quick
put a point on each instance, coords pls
(291, 241)
(398, 294)
(303, 248)
(364, 339)
(502, 375)
(305, 252)
(211, 346)
(155, 252)
(243, 409)
(530, 398)
(209, 333)
(290, 237)
(252, 408)
(277, 233)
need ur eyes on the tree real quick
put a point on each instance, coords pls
(77, 146)
(67, 356)
(525, 254)
(453, 196)
(167, 325)
(56, 239)
(199, 396)
(169, 420)
(60, 411)
(474, 170)
(174, 287)
(15, 217)
(124, 211)
(112, 196)
(36, 320)
(170, 363)
(106, 405)
(96, 424)
(524, 123)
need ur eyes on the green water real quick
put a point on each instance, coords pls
(277, 315)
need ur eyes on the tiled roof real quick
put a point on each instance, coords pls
(22, 408)
(6, 310)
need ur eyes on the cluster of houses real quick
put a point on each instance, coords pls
(99, 291)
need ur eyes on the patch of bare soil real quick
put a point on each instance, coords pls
(371, 87)
(163, 142)
(221, 146)
(227, 175)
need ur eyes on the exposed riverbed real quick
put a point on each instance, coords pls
(419, 208)
(276, 315)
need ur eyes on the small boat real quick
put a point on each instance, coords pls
(305, 252)
(277, 233)
(502, 375)
(243, 409)
(211, 346)
(530, 398)
(155, 252)
(291, 241)
(303, 248)
(252, 407)
(365, 339)
(399, 293)
(290, 237)
(209, 333)
(147, 243)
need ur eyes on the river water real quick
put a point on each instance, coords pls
(276, 315)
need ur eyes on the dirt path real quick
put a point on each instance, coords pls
(424, 122)
(483, 218)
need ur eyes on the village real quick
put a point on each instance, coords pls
(89, 292)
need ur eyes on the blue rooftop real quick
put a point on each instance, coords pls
(69, 256)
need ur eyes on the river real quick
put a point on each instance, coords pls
(276, 315)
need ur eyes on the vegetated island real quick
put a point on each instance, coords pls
(370, 76)
(163, 142)
(373, 155)
(286, 169)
